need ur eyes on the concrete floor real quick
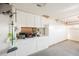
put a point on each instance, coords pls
(65, 48)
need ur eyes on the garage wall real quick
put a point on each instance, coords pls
(4, 19)
(73, 32)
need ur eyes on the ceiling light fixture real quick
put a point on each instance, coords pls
(40, 4)
(46, 16)
(70, 8)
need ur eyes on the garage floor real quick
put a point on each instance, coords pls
(65, 48)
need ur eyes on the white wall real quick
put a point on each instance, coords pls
(3, 27)
(73, 32)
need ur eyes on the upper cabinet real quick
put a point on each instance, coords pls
(29, 20)
(45, 21)
(37, 21)
(19, 20)
(25, 19)
(40, 21)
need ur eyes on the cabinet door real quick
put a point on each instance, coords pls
(19, 20)
(24, 19)
(31, 20)
(44, 21)
(26, 47)
(27, 20)
(37, 21)
(42, 43)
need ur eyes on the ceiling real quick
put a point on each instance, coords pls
(66, 12)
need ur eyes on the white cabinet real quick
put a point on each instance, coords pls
(27, 20)
(31, 45)
(44, 21)
(19, 20)
(37, 21)
(26, 47)
(40, 21)
(42, 43)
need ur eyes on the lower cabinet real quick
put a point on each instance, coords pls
(26, 47)
(31, 45)
(42, 43)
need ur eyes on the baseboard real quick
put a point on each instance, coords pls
(75, 41)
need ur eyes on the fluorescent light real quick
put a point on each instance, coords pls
(70, 8)
(40, 4)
